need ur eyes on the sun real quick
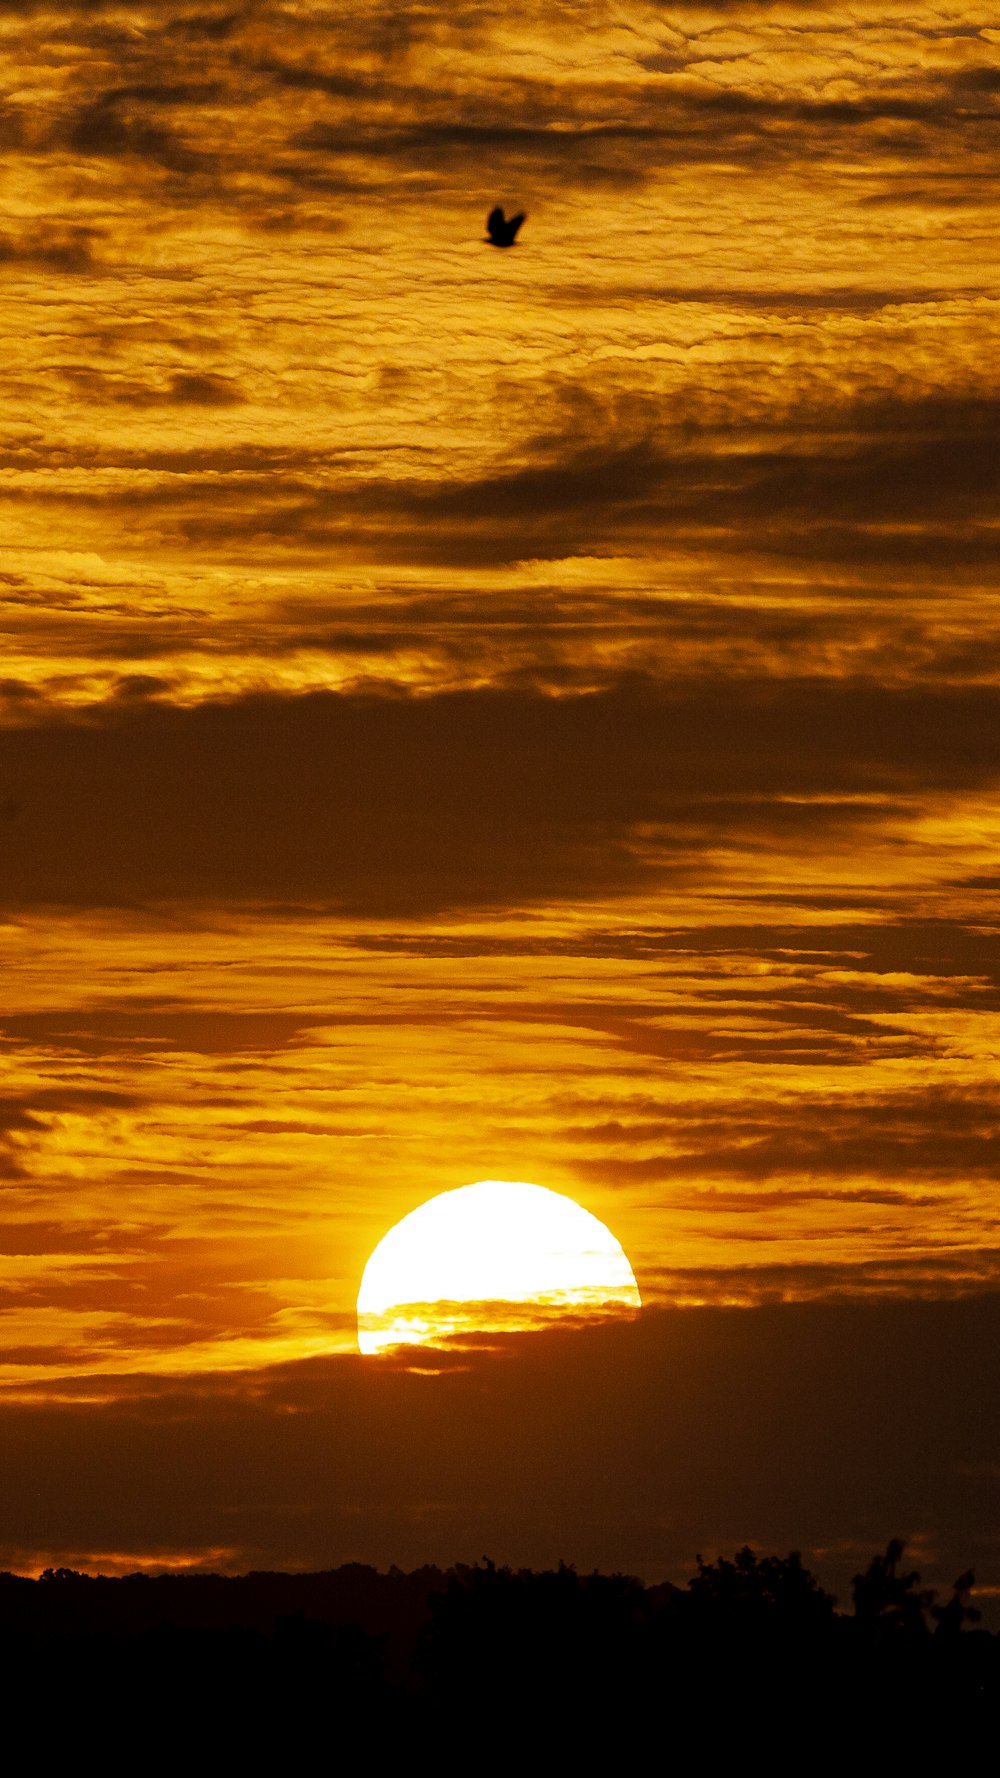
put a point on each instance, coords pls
(497, 1255)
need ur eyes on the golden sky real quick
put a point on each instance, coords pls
(466, 714)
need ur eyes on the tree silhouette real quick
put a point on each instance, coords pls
(887, 1602)
(753, 1593)
(950, 1617)
(751, 1657)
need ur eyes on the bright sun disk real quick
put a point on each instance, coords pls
(500, 1254)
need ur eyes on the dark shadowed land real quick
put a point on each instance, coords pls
(752, 1654)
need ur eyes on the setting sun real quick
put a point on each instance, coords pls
(500, 1254)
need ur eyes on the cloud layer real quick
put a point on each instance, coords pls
(631, 1448)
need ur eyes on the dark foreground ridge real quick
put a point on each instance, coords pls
(481, 1663)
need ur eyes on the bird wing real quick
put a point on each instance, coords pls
(495, 223)
(514, 224)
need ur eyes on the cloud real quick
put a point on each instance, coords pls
(929, 463)
(119, 1030)
(951, 1137)
(812, 1426)
(117, 125)
(55, 248)
(887, 480)
(416, 804)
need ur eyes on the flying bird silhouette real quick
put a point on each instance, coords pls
(502, 230)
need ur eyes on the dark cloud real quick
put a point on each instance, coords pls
(934, 462)
(25, 1116)
(56, 248)
(954, 1274)
(118, 125)
(924, 197)
(204, 391)
(62, 9)
(438, 143)
(824, 1427)
(880, 1141)
(780, 298)
(66, 1098)
(468, 798)
(639, 130)
(974, 81)
(358, 95)
(340, 85)
(134, 1028)
(887, 481)
(183, 388)
(177, 93)
(264, 460)
(210, 27)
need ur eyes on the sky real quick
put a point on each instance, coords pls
(473, 714)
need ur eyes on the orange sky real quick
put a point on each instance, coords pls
(529, 715)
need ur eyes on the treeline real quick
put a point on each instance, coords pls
(264, 1668)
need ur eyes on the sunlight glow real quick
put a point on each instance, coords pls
(498, 1255)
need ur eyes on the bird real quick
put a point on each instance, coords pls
(502, 230)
